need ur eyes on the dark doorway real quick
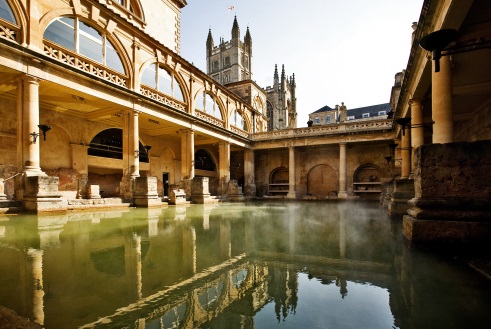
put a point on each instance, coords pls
(165, 180)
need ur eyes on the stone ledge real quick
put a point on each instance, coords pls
(417, 230)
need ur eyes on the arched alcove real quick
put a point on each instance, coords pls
(279, 181)
(367, 181)
(322, 181)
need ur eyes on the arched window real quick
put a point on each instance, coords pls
(131, 6)
(204, 161)
(207, 103)
(79, 37)
(109, 144)
(6, 12)
(157, 77)
(237, 120)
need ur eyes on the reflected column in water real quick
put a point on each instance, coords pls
(189, 249)
(135, 266)
(292, 213)
(35, 261)
(225, 241)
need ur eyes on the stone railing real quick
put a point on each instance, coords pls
(84, 64)
(238, 131)
(162, 98)
(209, 118)
(332, 129)
(9, 31)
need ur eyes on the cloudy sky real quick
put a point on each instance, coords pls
(340, 50)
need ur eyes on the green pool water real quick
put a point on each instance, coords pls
(236, 265)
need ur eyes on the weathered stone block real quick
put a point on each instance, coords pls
(145, 192)
(93, 192)
(177, 196)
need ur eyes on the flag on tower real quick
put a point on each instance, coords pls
(231, 8)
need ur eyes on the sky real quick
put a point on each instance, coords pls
(339, 50)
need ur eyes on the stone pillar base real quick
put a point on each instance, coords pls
(145, 192)
(3, 196)
(441, 231)
(41, 195)
(250, 189)
(93, 192)
(234, 191)
(200, 191)
(403, 191)
(177, 196)
(448, 220)
(342, 195)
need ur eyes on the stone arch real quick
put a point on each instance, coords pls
(219, 103)
(279, 175)
(367, 181)
(55, 152)
(108, 143)
(205, 160)
(20, 16)
(322, 180)
(125, 59)
(175, 74)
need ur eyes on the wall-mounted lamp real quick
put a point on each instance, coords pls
(436, 42)
(44, 129)
(405, 123)
(439, 40)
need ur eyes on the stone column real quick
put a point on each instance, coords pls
(187, 159)
(134, 143)
(441, 102)
(292, 194)
(406, 154)
(81, 165)
(249, 178)
(223, 167)
(342, 194)
(417, 131)
(131, 167)
(29, 91)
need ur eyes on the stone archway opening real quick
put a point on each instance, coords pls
(279, 181)
(322, 181)
(367, 181)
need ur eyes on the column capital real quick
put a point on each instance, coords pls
(415, 101)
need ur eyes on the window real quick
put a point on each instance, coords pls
(215, 65)
(269, 114)
(351, 117)
(207, 103)
(109, 144)
(157, 77)
(328, 118)
(79, 37)
(227, 61)
(366, 115)
(317, 120)
(382, 112)
(6, 12)
(237, 120)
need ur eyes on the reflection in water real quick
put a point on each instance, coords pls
(264, 265)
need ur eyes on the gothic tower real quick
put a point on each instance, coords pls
(230, 61)
(281, 101)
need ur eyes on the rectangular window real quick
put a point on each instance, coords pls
(317, 120)
(328, 118)
(366, 115)
(351, 117)
(382, 113)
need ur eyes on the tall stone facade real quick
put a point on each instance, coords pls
(282, 103)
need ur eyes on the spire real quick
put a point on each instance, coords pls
(247, 38)
(235, 29)
(283, 72)
(275, 72)
(209, 43)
